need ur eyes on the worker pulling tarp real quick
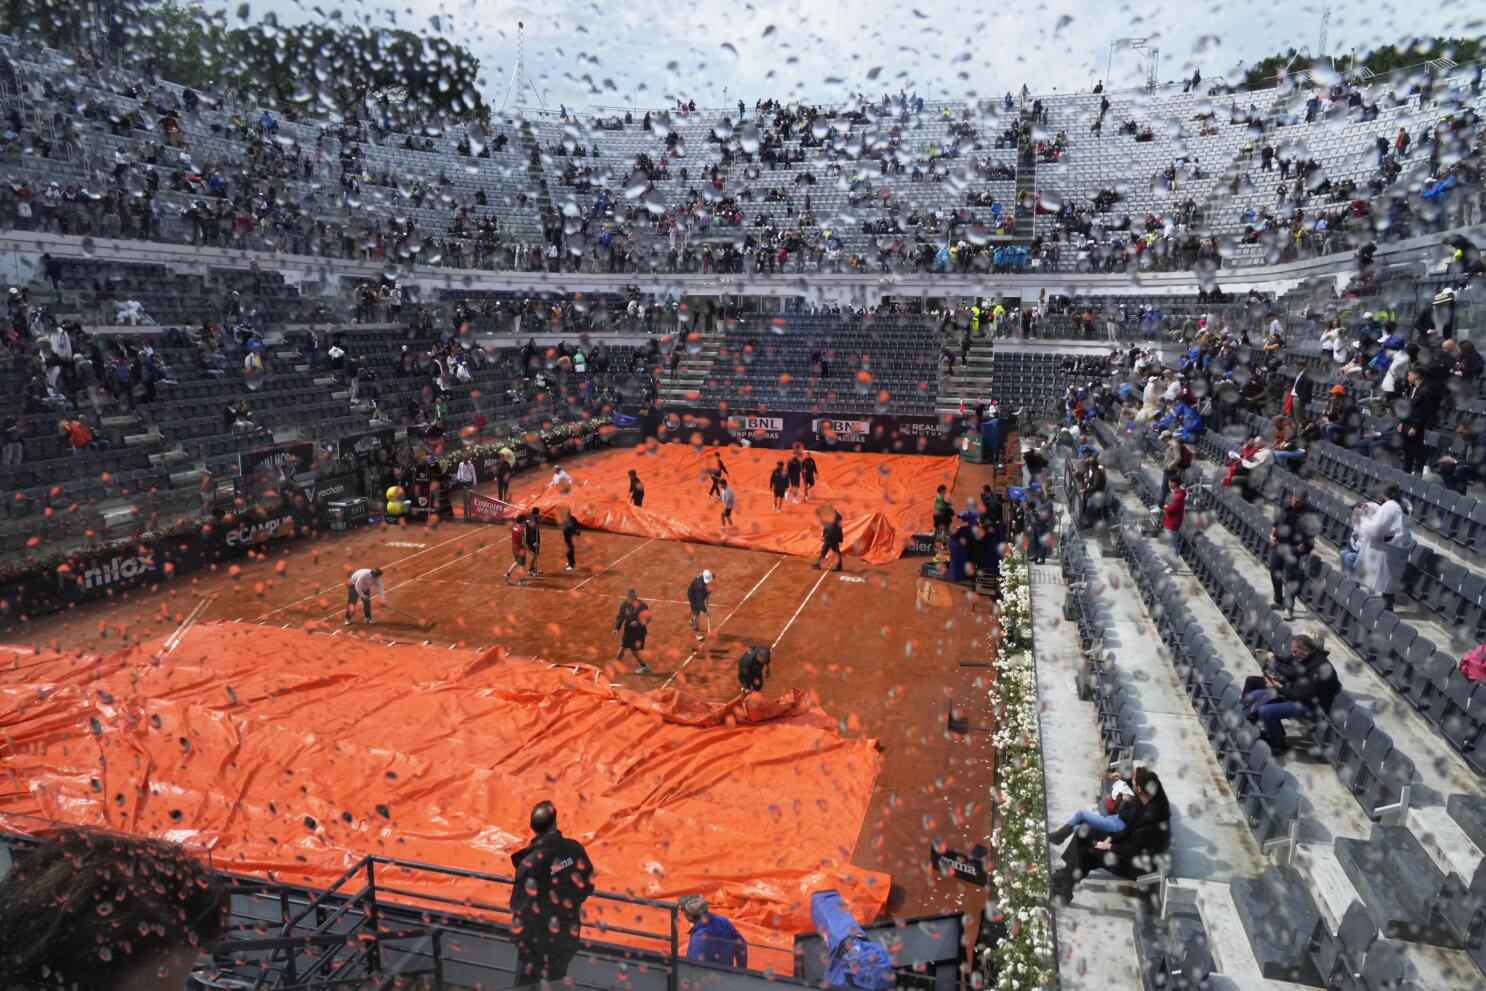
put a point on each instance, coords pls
(883, 499)
(294, 754)
(855, 960)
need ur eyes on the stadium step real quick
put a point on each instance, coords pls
(1397, 880)
(1448, 845)
(119, 420)
(1469, 813)
(144, 439)
(1276, 913)
(1326, 880)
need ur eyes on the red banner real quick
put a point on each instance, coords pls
(483, 509)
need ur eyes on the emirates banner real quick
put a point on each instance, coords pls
(483, 509)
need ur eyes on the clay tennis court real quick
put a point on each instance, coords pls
(879, 650)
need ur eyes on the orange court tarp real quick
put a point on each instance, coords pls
(290, 753)
(883, 499)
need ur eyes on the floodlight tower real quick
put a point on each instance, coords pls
(519, 79)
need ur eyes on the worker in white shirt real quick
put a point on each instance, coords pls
(561, 480)
(360, 586)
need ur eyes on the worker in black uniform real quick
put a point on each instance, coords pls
(502, 479)
(808, 473)
(753, 668)
(696, 596)
(717, 471)
(633, 625)
(831, 536)
(570, 530)
(636, 488)
(793, 471)
(533, 542)
(778, 485)
(553, 878)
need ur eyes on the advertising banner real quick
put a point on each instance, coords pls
(908, 434)
(366, 444)
(483, 509)
(99, 572)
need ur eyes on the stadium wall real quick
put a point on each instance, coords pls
(20, 250)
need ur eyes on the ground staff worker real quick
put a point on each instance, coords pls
(831, 536)
(778, 485)
(553, 878)
(717, 471)
(502, 479)
(570, 530)
(633, 625)
(360, 586)
(533, 542)
(696, 595)
(636, 488)
(808, 473)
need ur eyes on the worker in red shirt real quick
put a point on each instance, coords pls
(518, 550)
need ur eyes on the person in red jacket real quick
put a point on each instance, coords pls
(518, 551)
(1171, 516)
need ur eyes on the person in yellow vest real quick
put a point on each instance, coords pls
(397, 502)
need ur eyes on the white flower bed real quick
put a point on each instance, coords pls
(1023, 961)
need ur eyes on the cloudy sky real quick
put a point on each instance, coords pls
(647, 52)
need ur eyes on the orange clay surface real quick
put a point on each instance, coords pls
(874, 653)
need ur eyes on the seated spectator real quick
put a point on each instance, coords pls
(712, 938)
(1108, 821)
(106, 912)
(1293, 687)
(1458, 472)
(1339, 417)
(1128, 853)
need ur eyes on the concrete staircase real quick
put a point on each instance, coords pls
(701, 350)
(970, 383)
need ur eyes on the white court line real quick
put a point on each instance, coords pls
(174, 640)
(393, 564)
(612, 563)
(690, 657)
(796, 616)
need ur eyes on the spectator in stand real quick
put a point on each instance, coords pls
(1291, 540)
(1173, 513)
(253, 368)
(1424, 396)
(1386, 544)
(712, 938)
(15, 431)
(1340, 420)
(1293, 687)
(1458, 472)
(106, 911)
(81, 436)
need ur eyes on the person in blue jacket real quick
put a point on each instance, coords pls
(713, 939)
(1184, 418)
(992, 441)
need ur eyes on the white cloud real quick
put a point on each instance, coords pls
(642, 52)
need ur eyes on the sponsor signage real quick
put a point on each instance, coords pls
(918, 434)
(364, 445)
(95, 574)
(965, 866)
(331, 488)
(483, 509)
